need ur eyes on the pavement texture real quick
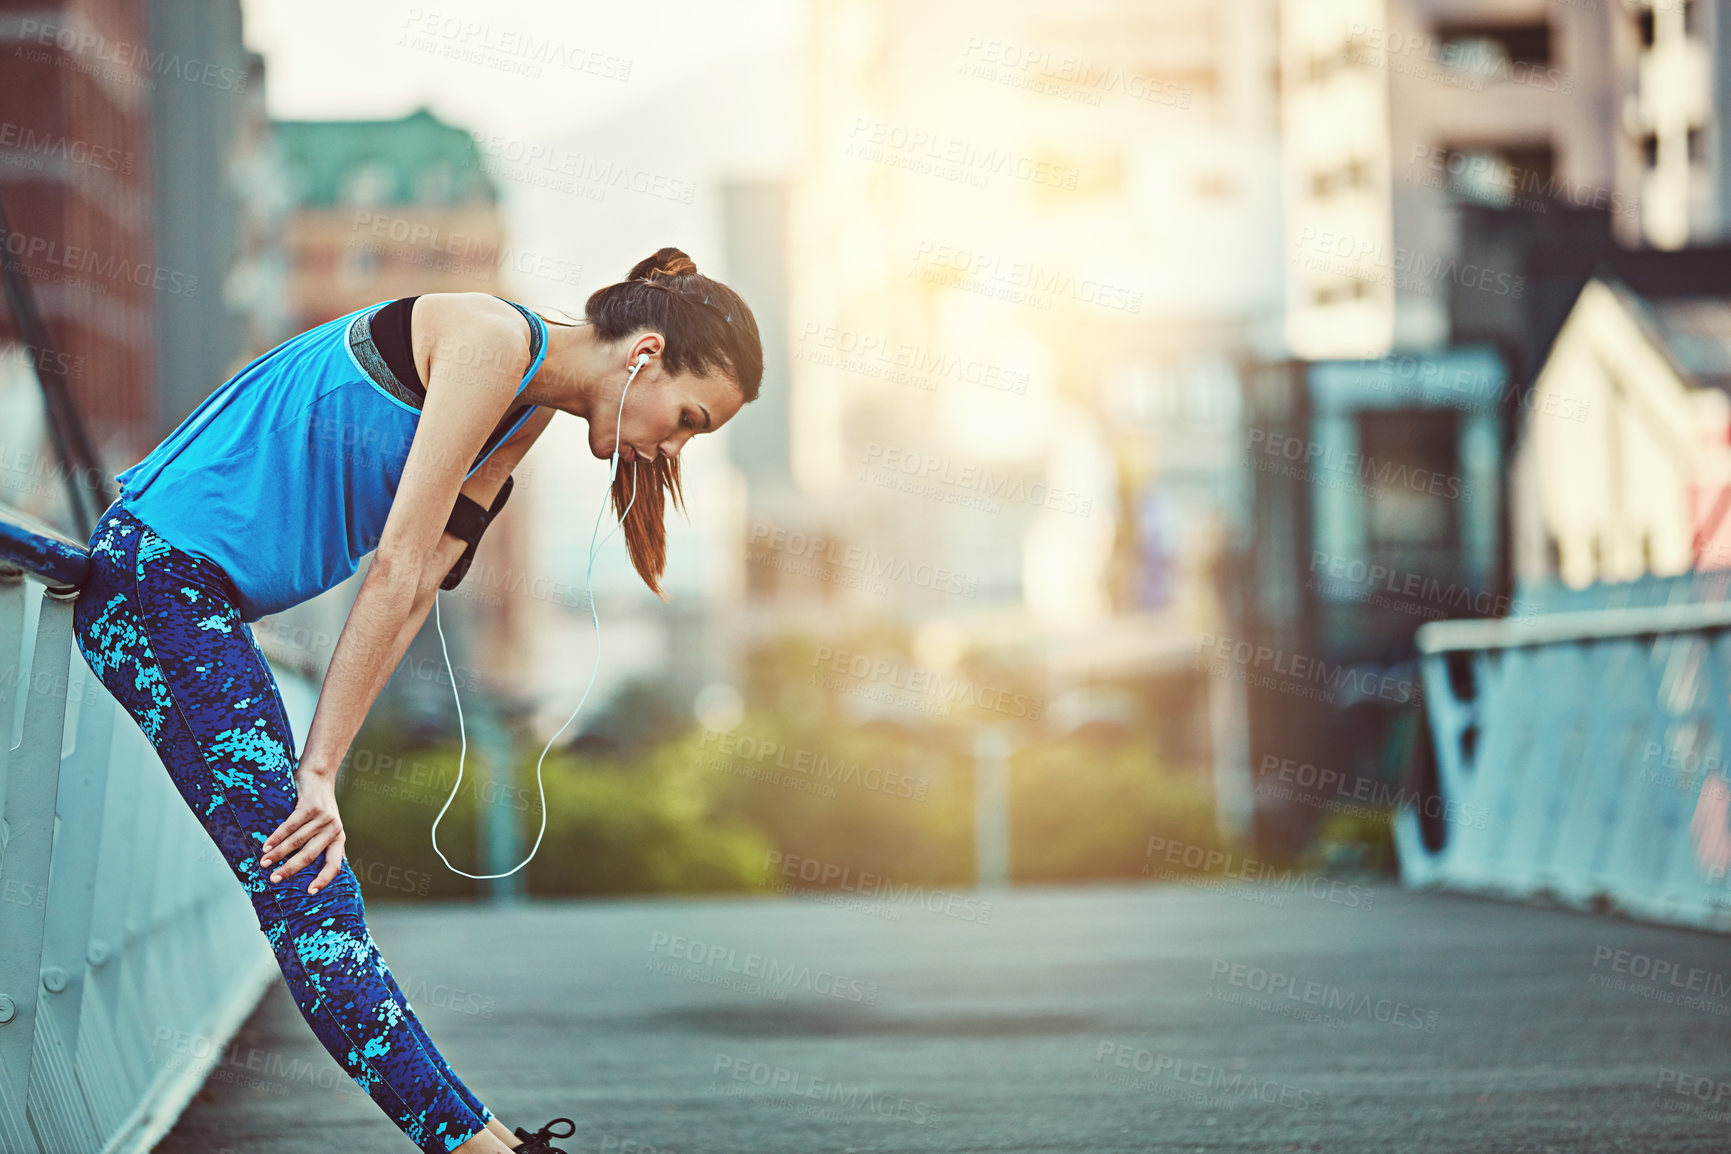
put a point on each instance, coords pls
(1095, 1019)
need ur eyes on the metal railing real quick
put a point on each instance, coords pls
(122, 931)
(1582, 754)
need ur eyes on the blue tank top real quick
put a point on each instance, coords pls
(285, 474)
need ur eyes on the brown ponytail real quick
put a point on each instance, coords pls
(709, 329)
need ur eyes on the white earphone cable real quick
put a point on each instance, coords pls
(594, 548)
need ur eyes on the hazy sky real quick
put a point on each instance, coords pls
(341, 58)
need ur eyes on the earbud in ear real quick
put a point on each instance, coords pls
(642, 359)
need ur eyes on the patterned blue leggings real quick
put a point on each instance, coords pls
(159, 627)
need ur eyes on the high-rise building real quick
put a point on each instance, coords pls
(1394, 112)
(217, 206)
(1397, 112)
(1033, 241)
(76, 98)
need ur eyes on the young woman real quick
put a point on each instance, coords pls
(370, 432)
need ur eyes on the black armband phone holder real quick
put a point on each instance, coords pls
(468, 521)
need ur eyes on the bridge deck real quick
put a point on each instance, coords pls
(1437, 1023)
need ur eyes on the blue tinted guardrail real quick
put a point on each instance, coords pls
(1581, 755)
(119, 924)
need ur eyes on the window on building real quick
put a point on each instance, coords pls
(1487, 46)
(1650, 150)
(1327, 182)
(1501, 174)
(1697, 145)
(1319, 66)
(436, 184)
(369, 182)
(1341, 289)
(1644, 26)
(1409, 464)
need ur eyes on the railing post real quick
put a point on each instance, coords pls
(32, 774)
(113, 1083)
(57, 1103)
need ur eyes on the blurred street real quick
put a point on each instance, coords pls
(1076, 1019)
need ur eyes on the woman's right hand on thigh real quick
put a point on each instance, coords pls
(313, 828)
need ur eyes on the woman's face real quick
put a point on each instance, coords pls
(662, 411)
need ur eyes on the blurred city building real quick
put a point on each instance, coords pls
(1397, 113)
(1379, 505)
(76, 178)
(1625, 469)
(139, 182)
(218, 205)
(1035, 243)
(1477, 200)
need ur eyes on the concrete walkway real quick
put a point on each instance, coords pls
(1098, 1019)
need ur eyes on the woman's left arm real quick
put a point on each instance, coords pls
(466, 396)
(315, 826)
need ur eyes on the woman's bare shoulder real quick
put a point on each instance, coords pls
(439, 319)
(456, 312)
